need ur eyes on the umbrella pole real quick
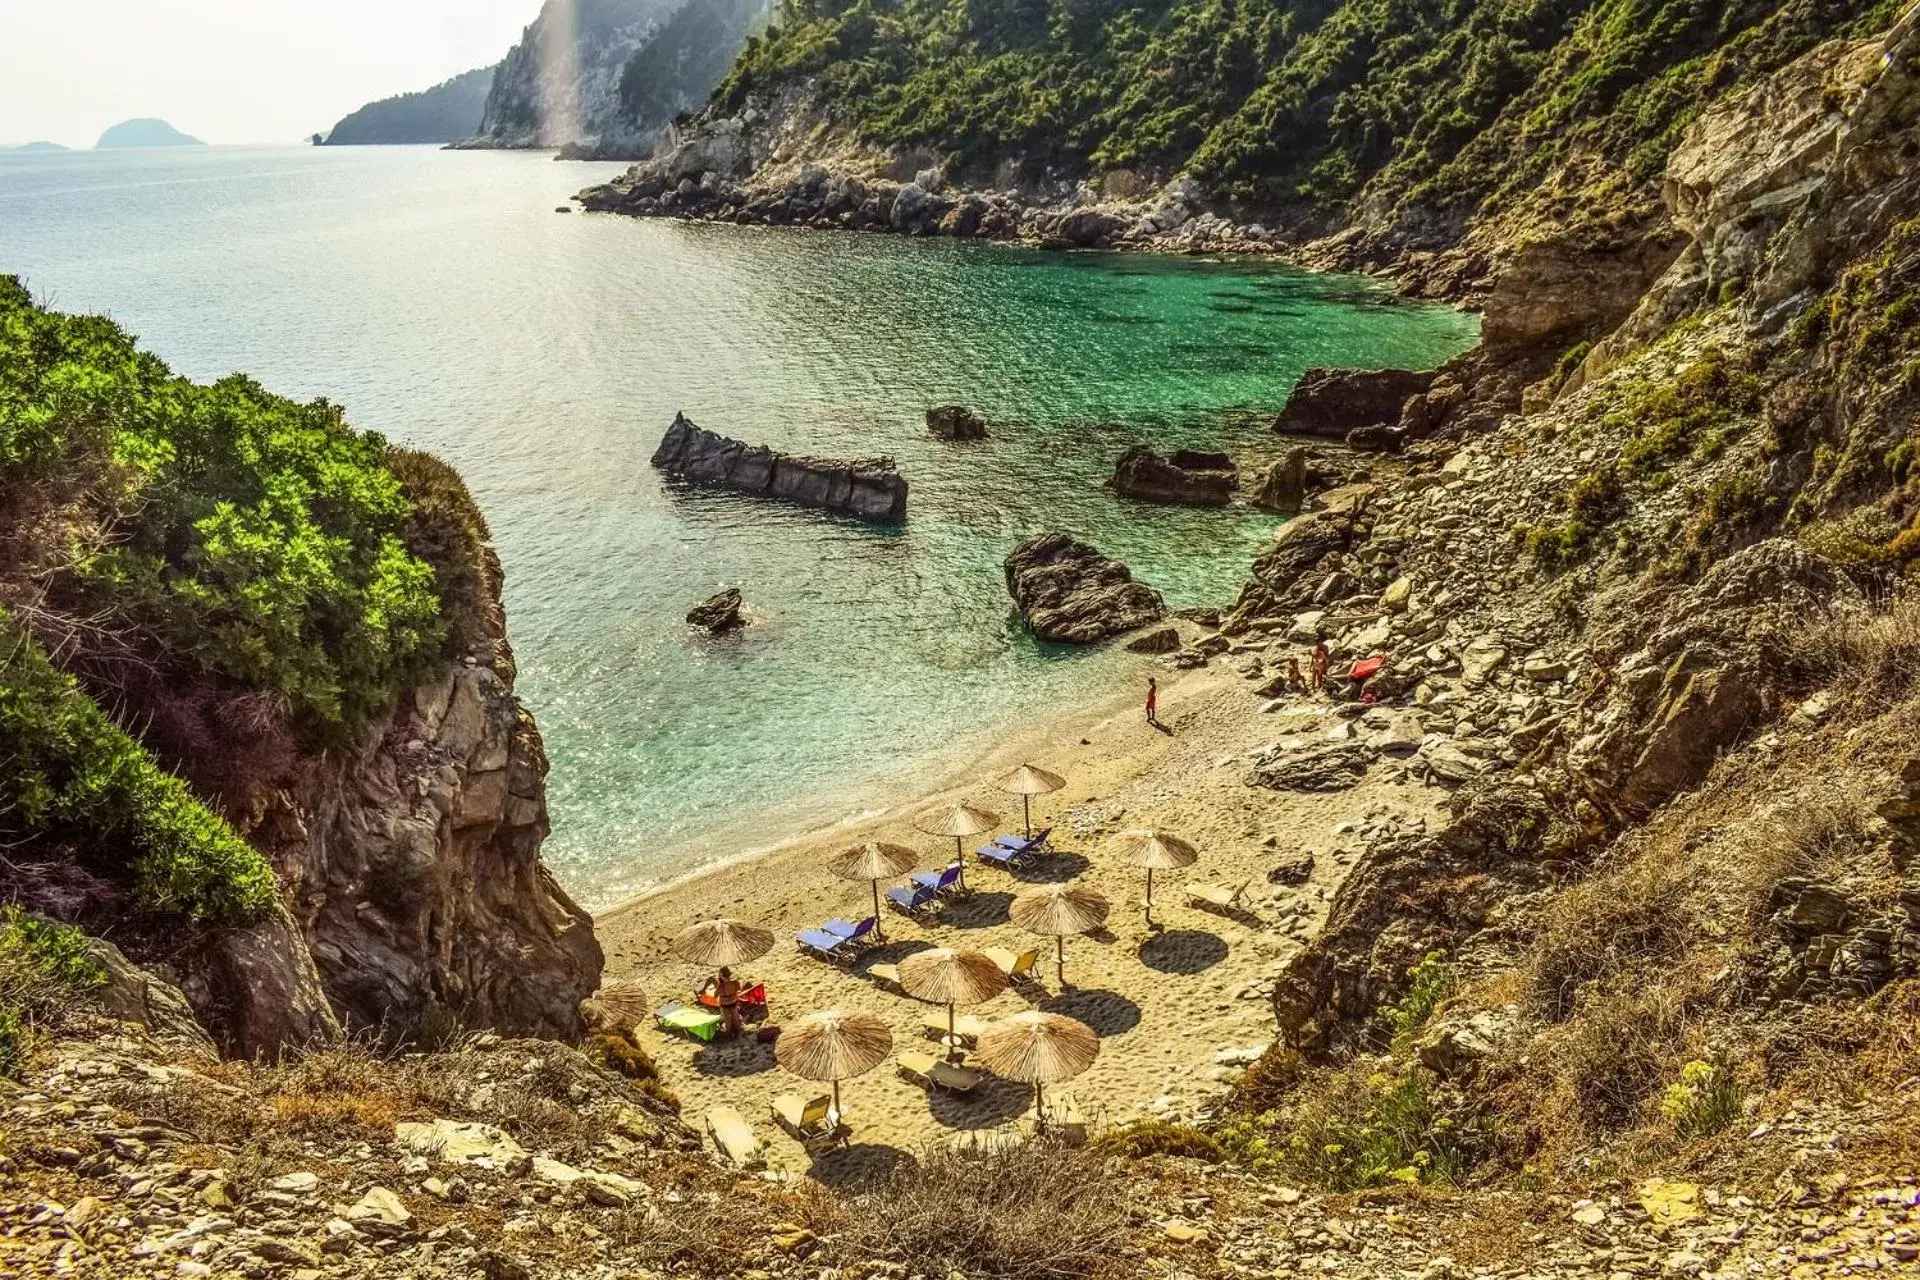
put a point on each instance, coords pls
(1060, 958)
(876, 911)
(1039, 1107)
(1149, 895)
(836, 1104)
(953, 1036)
(1026, 814)
(960, 858)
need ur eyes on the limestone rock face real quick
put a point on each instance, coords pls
(1181, 478)
(412, 862)
(1333, 402)
(1550, 291)
(133, 994)
(1070, 593)
(1688, 686)
(869, 489)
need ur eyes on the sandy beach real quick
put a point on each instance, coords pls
(1172, 1002)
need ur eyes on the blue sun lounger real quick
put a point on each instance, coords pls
(915, 897)
(836, 946)
(1011, 851)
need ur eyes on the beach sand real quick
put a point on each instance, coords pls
(1167, 1000)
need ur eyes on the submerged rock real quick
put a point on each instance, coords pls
(718, 612)
(1183, 477)
(956, 422)
(1068, 592)
(870, 488)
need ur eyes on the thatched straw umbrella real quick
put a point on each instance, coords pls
(1156, 851)
(616, 1008)
(1058, 910)
(1027, 782)
(835, 1046)
(873, 860)
(1038, 1049)
(961, 821)
(943, 975)
(722, 942)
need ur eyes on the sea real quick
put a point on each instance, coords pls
(445, 302)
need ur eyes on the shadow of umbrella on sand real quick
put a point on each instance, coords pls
(833, 1046)
(961, 821)
(874, 860)
(1156, 851)
(1038, 1049)
(1027, 782)
(1057, 910)
(943, 975)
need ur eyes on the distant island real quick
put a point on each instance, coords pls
(445, 113)
(129, 134)
(36, 146)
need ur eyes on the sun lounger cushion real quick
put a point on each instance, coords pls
(804, 1119)
(910, 900)
(840, 928)
(735, 1137)
(966, 1028)
(1000, 855)
(1216, 895)
(826, 944)
(887, 973)
(925, 1069)
(1016, 967)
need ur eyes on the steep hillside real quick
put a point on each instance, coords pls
(448, 112)
(256, 705)
(600, 77)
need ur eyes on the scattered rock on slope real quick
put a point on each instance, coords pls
(1068, 592)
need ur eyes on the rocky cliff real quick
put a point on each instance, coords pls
(601, 78)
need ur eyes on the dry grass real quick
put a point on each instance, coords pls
(1870, 659)
(1035, 1212)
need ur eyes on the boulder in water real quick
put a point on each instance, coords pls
(1068, 592)
(955, 422)
(1333, 402)
(1182, 478)
(870, 489)
(1283, 487)
(718, 612)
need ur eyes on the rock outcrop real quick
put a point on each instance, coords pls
(1184, 477)
(1071, 594)
(413, 863)
(955, 422)
(718, 612)
(1330, 403)
(1283, 485)
(870, 489)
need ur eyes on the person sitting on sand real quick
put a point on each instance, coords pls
(1295, 680)
(726, 991)
(1153, 702)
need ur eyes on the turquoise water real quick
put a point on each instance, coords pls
(442, 301)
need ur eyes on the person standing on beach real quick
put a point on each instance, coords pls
(726, 990)
(1320, 658)
(1153, 702)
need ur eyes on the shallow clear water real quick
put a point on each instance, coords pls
(443, 302)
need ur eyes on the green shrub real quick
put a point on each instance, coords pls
(1159, 1138)
(43, 966)
(1558, 546)
(1430, 982)
(257, 538)
(1708, 398)
(73, 778)
(1353, 1132)
(1703, 1102)
(1599, 499)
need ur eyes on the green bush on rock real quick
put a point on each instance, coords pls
(43, 965)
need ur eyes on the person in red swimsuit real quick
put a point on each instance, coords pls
(1153, 702)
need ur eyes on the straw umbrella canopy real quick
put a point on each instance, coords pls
(873, 860)
(1156, 851)
(959, 822)
(833, 1046)
(721, 942)
(1027, 782)
(942, 975)
(1058, 910)
(1038, 1049)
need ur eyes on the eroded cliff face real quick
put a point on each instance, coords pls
(412, 864)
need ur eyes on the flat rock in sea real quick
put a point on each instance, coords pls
(718, 612)
(870, 488)
(1070, 593)
(955, 422)
(1183, 477)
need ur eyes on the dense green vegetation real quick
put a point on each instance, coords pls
(258, 539)
(43, 965)
(680, 65)
(1276, 100)
(69, 779)
(448, 112)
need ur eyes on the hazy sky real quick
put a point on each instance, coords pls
(231, 70)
